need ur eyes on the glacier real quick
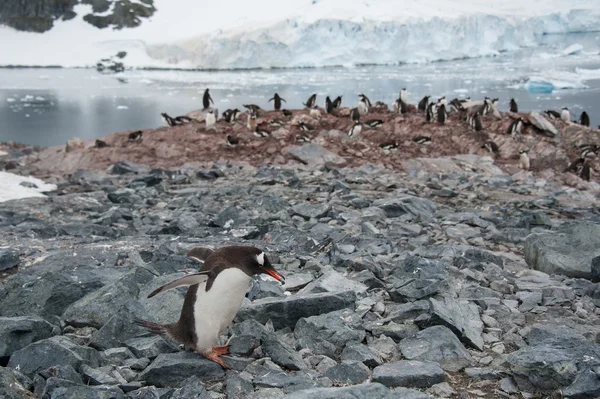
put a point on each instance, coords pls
(306, 33)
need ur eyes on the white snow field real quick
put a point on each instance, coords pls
(232, 34)
(11, 189)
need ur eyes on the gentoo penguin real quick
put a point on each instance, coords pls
(137, 135)
(582, 166)
(167, 119)
(515, 127)
(389, 145)
(328, 105)
(403, 108)
(565, 115)
(513, 105)
(442, 101)
(441, 114)
(363, 104)
(355, 130)
(422, 140)
(253, 108)
(431, 112)
(491, 147)
(456, 105)
(584, 119)
(337, 102)
(210, 119)
(311, 101)
(487, 106)
(227, 114)
(552, 113)
(303, 138)
(287, 112)
(404, 95)
(231, 141)
(276, 122)
(260, 132)
(373, 123)
(251, 124)
(524, 159)
(277, 101)
(214, 297)
(231, 115)
(355, 115)
(207, 99)
(315, 113)
(423, 104)
(589, 149)
(476, 123)
(586, 171)
(306, 127)
(100, 144)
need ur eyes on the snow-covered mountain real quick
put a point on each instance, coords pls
(304, 33)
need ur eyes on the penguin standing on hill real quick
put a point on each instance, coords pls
(513, 105)
(311, 101)
(515, 127)
(431, 114)
(524, 162)
(355, 115)
(207, 99)
(231, 141)
(315, 113)
(328, 105)
(565, 115)
(337, 102)
(491, 147)
(277, 101)
(476, 123)
(423, 104)
(251, 123)
(584, 119)
(441, 114)
(363, 104)
(355, 130)
(214, 297)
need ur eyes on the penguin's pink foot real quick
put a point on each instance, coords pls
(214, 355)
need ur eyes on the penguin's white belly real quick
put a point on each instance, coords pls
(215, 310)
(362, 108)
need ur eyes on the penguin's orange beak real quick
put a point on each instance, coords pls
(273, 273)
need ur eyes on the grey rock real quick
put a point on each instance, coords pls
(14, 385)
(327, 334)
(237, 387)
(50, 352)
(78, 392)
(348, 373)
(243, 345)
(595, 267)
(569, 250)
(357, 352)
(117, 355)
(585, 386)
(191, 388)
(149, 347)
(539, 333)
(288, 382)
(124, 196)
(542, 123)
(285, 312)
(409, 373)
(406, 393)
(125, 167)
(486, 373)
(150, 393)
(169, 370)
(437, 344)
(18, 332)
(363, 391)
(309, 211)
(67, 373)
(8, 259)
(552, 364)
(315, 155)
(419, 209)
(97, 377)
(54, 383)
(261, 289)
(281, 354)
(393, 330)
(462, 317)
(119, 328)
(332, 281)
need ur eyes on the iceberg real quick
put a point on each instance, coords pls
(306, 33)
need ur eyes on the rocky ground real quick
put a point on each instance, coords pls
(454, 276)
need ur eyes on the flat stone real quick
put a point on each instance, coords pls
(315, 155)
(437, 344)
(285, 312)
(569, 250)
(409, 373)
(8, 259)
(420, 209)
(14, 385)
(363, 391)
(310, 211)
(542, 123)
(462, 317)
(18, 332)
(169, 370)
(149, 347)
(348, 373)
(78, 392)
(191, 388)
(355, 351)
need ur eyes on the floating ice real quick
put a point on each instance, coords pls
(122, 107)
(572, 49)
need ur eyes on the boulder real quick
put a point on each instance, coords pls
(409, 373)
(18, 332)
(170, 370)
(537, 120)
(315, 155)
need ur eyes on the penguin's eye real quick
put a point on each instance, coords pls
(260, 258)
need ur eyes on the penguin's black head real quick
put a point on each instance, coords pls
(523, 151)
(256, 262)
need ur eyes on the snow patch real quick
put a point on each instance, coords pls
(11, 189)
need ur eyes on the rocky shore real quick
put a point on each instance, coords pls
(423, 272)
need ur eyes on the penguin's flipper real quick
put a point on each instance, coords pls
(190, 279)
(200, 254)
(283, 99)
(271, 99)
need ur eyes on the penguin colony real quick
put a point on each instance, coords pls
(472, 112)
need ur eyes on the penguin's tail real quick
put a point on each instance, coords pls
(153, 327)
